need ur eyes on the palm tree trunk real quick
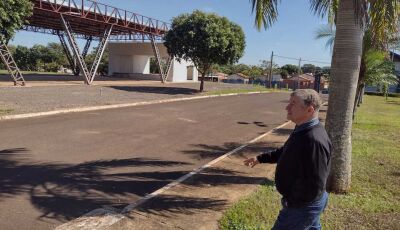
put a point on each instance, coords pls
(360, 83)
(345, 72)
(361, 94)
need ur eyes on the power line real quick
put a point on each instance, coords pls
(303, 60)
(317, 61)
(286, 57)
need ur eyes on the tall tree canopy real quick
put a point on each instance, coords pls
(308, 68)
(205, 39)
(12, 16)
(291, 69)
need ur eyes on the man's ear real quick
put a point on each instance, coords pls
(310, 109)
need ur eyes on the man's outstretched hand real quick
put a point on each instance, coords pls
(251, 162)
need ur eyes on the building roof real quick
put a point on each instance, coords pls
(221, 74)
(240, 75)
(396, 57)
(302, 77)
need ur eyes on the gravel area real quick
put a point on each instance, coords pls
(57, 95)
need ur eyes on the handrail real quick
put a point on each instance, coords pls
(93, 10)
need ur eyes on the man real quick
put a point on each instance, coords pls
(302, 164)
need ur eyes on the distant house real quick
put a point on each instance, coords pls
(237, 78)
(304, 81)
(216, 77)
(276, 80)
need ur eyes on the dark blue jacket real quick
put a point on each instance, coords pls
(303, 165)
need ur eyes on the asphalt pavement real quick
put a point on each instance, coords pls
(54, 169)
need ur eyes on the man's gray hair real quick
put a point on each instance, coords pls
(309, 97)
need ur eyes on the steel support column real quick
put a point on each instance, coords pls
(169, 63)
(75, 50)
(67, 52)
(99, 52)
(12, 67)
(84, 53)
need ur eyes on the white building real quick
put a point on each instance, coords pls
(133, 59)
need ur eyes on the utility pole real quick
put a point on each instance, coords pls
(270, 70)
(298, 77)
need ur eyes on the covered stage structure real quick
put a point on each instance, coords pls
(89, 20)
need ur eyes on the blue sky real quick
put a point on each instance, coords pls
(291, 36)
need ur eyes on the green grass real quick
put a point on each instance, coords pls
(2, 71)
(255, 88)
(373, 201)
(5, 111)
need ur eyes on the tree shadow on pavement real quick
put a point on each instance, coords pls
(201, 151)
(172, 204)
(257, 123)
(219, 176)
(67, 191)
(168, 205)
(157, 90)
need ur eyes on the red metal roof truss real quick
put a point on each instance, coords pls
(90, 18)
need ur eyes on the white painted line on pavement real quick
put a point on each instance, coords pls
(103, 107)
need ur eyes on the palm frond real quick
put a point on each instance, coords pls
(333, 9)
(328, 32)
(383, 21)
(266, 12)
(320, 7)
(324, 31)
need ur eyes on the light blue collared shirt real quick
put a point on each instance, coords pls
(305, 125)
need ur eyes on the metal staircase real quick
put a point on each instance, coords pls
(163, 73)
(67, 52)
(99, 53)
(169, 63)
(12, 67)
(75, 50)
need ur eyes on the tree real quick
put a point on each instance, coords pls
(266, 65)
(380, 71)
(349, 17)
(308, 68)
(253, 71)
(38, 57)
(12, 17)
(239, 68)
(284, 73)
(380, 33)
(326, 70)
(205, 39)
(21, 57)
(57, 55)
(291, 69)
(343, 84)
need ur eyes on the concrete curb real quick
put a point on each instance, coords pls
(103, 107)
(102, 218)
